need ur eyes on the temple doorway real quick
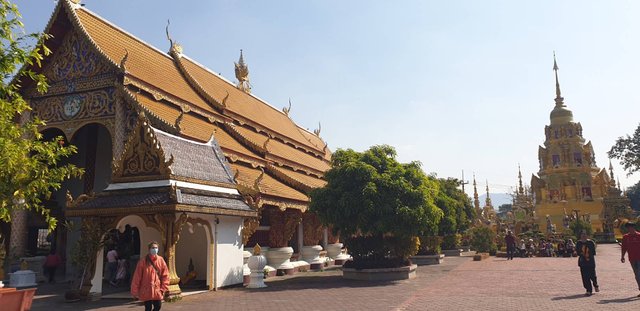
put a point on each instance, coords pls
(129, 239)
(193, 255)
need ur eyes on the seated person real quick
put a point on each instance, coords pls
(560, 249)
(570, 248)
(522, 249)
(531, 248)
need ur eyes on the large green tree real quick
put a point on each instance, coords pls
(633, 193)
(30, 168)
(382, 204)
(456, 206)
(627, 150)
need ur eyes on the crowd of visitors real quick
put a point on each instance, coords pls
(540, 247)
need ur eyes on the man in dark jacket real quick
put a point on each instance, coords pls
(510, 240)
(586, 250)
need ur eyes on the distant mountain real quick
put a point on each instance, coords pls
(497, 199)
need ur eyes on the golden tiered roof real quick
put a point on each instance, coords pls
(197, 103)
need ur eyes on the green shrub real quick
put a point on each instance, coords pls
(452, 241)
(482, 239)
(578, 225)
(430, 245)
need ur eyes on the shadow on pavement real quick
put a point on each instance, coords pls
(619, 300)
(577, 296)
(305, 282)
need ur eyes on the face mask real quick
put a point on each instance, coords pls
(153, 251)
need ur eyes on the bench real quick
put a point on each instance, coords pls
(19, 300)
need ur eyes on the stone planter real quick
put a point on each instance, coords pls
(422, 260)
(35, 264)
(480, 256)
(333, 250)
(22, 279)
(452, 252)
(383, 274)
(311, 254)
(465, 248)
(279, 258)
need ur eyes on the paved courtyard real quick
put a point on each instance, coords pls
(493, 284)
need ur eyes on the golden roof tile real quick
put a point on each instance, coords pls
(143, 62)
(268, 185)
(245, 105)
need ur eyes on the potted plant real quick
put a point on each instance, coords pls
(381, 207)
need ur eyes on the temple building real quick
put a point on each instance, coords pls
(172, 152)
(569, 181)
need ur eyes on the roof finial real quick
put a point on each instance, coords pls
(317, 131)
(287, 110)
(175, 47)
(488, 199)
(242, 74)
(476, 201)
(559, 98)
(611, 173)
(520, 187)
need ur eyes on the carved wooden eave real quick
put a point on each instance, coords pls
(241, 120)
(288, 180)
(156, 209)
(255, 198)
(143, 158)
(280, 161)
(157, 121)
(159, 95)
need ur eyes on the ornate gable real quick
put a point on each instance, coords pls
(143, 158)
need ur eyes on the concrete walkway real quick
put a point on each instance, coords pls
(493, 284)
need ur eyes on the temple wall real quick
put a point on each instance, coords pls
(229, 249)
(556, 213)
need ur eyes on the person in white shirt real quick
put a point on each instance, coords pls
(112, 265)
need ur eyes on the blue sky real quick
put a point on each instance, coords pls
(454, 84)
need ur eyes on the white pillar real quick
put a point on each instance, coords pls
(96, 282)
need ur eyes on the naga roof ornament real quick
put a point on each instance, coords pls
(175, 47)
(242, 74)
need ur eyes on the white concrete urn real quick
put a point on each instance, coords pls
(257, 263)
(311, 254)
(279, 257)
(333, 250)
(245, 267)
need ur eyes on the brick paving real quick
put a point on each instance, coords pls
(493, 284)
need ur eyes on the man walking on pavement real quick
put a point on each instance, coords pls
(510, 240)
(586, 249)
(631, 245)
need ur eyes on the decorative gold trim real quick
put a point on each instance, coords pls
(143, 157)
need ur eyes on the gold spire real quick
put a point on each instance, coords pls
(520, 187)
(488, 199)
(242, 74)
(476, 201)
(613, 181)
(559, 98)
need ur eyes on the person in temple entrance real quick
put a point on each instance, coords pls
(586, 250)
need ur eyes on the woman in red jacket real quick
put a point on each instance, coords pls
(151, 279)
